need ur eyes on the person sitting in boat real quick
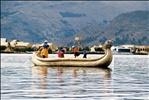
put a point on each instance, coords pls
(44, 51)
(75, 50)
(62, 50)
(61, 53)
(84, 53)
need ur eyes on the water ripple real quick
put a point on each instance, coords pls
(126, 78)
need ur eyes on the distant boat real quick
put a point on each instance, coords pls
(121, 51)
(29, 52)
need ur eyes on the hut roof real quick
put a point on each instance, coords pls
(23, 44)
(15, 41)
(51, 45)
(4, 43)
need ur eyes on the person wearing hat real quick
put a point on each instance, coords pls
(61, 52)
(44, 51)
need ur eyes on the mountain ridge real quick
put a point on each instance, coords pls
(127, 28)
(56, 21)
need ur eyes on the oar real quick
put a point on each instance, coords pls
(30, 58)
(26, 62)
(39, 49)
(26, 67)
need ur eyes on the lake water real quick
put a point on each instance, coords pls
(126, 79)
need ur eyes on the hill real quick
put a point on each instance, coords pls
(127, 28)
(60, 21)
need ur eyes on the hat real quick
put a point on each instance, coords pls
(45, 41)
(73, 46)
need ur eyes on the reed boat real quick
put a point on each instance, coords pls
(101, 62)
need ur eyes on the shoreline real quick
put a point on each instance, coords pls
(13, 52)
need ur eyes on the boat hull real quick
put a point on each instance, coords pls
(101, 62)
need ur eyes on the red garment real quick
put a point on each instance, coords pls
(75, 50)
(60, 54)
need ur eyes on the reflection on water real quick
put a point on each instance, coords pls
(40, 73)
(74, 80)
(127, 79)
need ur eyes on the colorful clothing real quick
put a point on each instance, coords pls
(44, 52)
(84, 52)
(60, 54)
(75, 50)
